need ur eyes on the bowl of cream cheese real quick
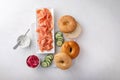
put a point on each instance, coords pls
(24, 41)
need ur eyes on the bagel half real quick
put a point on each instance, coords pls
(75, 33)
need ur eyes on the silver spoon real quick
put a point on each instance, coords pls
(20, 40)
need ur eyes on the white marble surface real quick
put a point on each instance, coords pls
(99, 41)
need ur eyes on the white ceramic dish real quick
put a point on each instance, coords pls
(37, 47)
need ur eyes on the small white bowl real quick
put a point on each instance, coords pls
(25, 41)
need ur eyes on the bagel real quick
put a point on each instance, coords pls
(71, 48)
(75, 33)
(62, 61)
(67, 24)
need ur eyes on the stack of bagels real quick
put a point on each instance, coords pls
(70, 49)
(69, 26)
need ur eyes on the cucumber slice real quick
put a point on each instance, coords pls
(48, 60)
(48, 57)
(51, 55)
(59, 43)
(48, 64)
(58, 34)
(44, 64)
(60, 38)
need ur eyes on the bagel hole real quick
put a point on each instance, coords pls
(66, 22)
(70, 49)
(61, 61)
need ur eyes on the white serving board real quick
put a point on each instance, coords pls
(38, 51)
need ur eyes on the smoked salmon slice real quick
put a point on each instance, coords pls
(44, 29)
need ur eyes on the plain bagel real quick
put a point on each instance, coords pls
(71, 48)
(67, 24)
(62, 61)
(75, 33)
